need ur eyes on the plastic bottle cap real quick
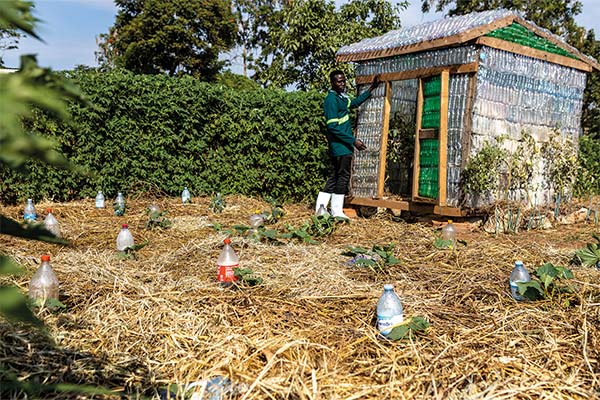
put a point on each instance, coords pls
(48, 210)
(124, 226)
(388, 286)
(45, 257)
(449, 221)
(227, 241)
(519, 263)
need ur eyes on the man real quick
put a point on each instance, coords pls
(341, 141)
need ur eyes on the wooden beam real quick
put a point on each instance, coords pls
(534, 53)
(416, 160)
(387, 107)
(443, 139)
(430, 44)
(467, 128)
(429, 133)
(419, 73)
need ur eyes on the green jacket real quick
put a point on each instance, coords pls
(339, 128)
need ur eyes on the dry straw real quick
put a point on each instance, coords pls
(308, 331)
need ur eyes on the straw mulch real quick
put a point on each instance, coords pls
(308, 331)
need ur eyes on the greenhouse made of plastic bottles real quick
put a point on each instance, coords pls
(449, 87)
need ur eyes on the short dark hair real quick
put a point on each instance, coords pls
(334, 73)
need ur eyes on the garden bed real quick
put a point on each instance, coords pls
(308, 332)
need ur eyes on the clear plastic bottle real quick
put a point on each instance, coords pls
(256, 221)
(100, 199)
(154, 212)
(518, 274)
(119, 204)
(29, 214)
(389, 310)
(51, 223)
(322, 211)
(186, 197)
(124, 238)
(226, 262)
(44, 283)
(449, 232)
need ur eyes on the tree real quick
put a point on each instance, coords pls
(176, 37)
(295, 41)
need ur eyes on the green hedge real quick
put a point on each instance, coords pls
(159, 133)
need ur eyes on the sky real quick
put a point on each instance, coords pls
(69, 29)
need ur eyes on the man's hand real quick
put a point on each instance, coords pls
(359, 145)
(375, 83)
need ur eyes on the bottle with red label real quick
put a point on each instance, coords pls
(226, 262)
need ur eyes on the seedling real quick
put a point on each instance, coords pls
(590, 254)
(550, 283)
(130, 253)
(157, 219)
(376, 259)
(217, 204)
(408, 328)
(246, 277)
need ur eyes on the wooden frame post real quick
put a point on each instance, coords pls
(443, 138)
(416, 159)
(387, 107)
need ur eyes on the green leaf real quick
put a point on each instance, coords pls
(531, 290)
(28, 231)
(13, 306)
(9, 267)
(442, 243)
(408, 328)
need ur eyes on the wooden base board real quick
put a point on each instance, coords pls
(407, 205)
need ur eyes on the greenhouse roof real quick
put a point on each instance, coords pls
(448, 32)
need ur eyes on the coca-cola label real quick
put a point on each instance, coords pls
(225, 273)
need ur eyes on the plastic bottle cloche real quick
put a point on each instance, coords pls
(227, 261)
(29, 213)
(99, 199)
(449, 232)
(51, 223)
(389, 310)
(44, 284)
(124, 238)
(518, 274)
(186, 197)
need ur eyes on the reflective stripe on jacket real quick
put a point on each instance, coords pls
(339, 129)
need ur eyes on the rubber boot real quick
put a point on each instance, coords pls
(337, 206)
(322, 198)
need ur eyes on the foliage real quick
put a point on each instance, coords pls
(246, 277)
(157, 219)
(408, 328)
(130, 253)
(9, 39)
(560, 170)
(217, 203)
(176, 132)
(30, 86)
(312, 229)
(550, 284)
(295, 41)
(590, 254)
(481, 173)
(588, 177)
(376, 259)
(175, 37)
